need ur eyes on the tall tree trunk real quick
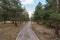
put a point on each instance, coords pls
(4, 20)
(57, 27)
(37, 22)
(15, 23)
(57, 30)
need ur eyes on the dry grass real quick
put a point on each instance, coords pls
(9, 31)
(44, 33)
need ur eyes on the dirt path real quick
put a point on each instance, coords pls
(26, 33)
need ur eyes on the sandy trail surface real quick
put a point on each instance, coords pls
(26, 33)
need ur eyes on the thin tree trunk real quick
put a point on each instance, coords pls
(57, 30)
(57, 27)
(15, 23)
(4, 20)
(37, 21)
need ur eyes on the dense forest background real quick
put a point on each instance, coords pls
(11, 10)
(48, 14)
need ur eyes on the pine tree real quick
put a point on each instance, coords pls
(37, 16)
(10, 10)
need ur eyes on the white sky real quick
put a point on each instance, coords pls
(27, 2)
(30, 5)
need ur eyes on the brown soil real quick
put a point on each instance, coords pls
(9, 31)
(43, 32)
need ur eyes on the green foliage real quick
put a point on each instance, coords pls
(37, 12)
(47, 14)
(11, 10)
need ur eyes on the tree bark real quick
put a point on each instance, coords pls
(4, 20)
(15, 23)
(38, 22)
(57, 30)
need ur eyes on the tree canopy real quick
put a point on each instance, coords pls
(47, 14)
(11, 10)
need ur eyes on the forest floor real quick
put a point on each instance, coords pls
(43, 32)
(9, 31)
